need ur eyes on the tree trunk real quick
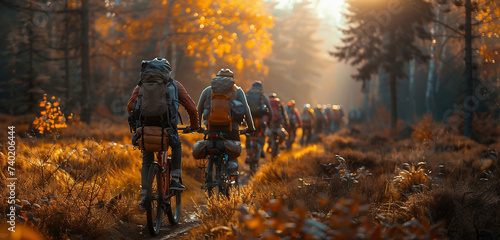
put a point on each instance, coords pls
(413, 109)
(367, 100)
(468, 68)
(442, 56)
(394, 102)
(393, 83)
(85, 113)
(31, 71)
(429, 93)
(66, 58)
(164, 36)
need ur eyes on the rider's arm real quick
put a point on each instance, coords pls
(285, 116)
(187, 102)
(132, 99)
(268, 105)
(201, 104)
(248, 116)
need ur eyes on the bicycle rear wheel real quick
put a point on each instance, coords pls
(154, 200)
(174, 206)
(274, 152)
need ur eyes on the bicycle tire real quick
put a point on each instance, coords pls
(274, 152)
(174, 211)
(253, 168)
(220, 188)
(154, 200)
(209, 178)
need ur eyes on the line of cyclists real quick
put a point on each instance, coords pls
(222, 108)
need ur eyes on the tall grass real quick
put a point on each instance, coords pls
(430, 180)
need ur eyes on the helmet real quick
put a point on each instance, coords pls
(307, 105)
(257, 83)
(292, 102)
(273, 95)
(160, 63)
(225, 73)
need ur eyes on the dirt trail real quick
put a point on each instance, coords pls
(138, 229)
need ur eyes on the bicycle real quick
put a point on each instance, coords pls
(273, 144)
(159, 198)
(216, 175)
(253, 151)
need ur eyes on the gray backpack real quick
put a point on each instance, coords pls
(157, 103)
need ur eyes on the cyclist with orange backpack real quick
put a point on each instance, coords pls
(155, 102)
(222, 108)
(308, 122)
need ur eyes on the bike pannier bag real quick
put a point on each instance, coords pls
(152, 138)
(233, 148)
(200, 150)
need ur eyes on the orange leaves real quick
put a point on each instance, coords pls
(51, 116)
(250, 43)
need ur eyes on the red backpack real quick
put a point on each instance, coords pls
(276, 107)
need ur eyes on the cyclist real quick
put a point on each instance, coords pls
(319, 124)
(278, 123)
(295, 123)
(225, 79)
(261, 110)
(161, 69)
(308, 122)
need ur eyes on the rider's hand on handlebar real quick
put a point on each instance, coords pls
(187, 130)
(247, 130)
(200, 130)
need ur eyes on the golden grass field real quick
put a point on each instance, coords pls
(423, 182)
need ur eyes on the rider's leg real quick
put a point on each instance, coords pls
(175, 171)
(147, 159)
(233, 162)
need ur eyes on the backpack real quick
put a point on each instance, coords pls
(290, 111)
(329, 114)
(220, 113)
(157, 105)
(277, 108)
(307, 118)
(337, 115)
(255, 100)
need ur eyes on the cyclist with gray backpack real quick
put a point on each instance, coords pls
(153, 109)
(260, 108)
(222, 108)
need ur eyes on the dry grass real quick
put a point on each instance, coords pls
(429, 176)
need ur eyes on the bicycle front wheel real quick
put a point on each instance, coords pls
(154, 200)
(174, 206)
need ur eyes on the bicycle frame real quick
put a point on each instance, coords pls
(164, 165)
(218, 159)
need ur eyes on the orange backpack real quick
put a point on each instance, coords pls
(220, 110)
